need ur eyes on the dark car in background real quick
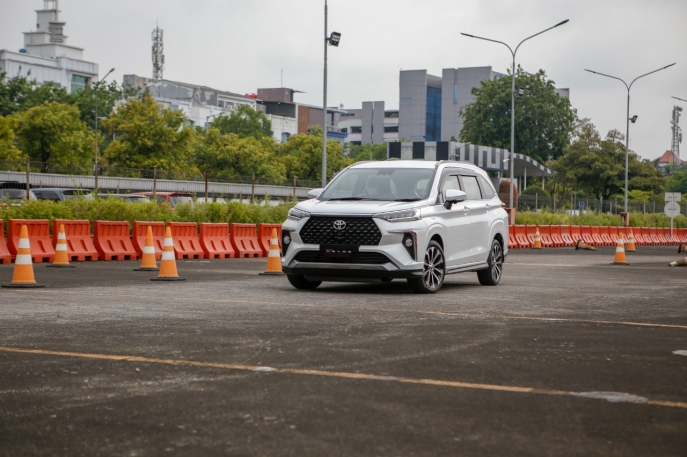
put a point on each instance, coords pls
(59, 194)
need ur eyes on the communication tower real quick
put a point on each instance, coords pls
(677, 131)
(158, 54)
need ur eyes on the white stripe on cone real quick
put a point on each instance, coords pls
(24, 243)
(148, 250)
(167, 255)
(273, 253)
(168, 242)
(61, 236)
(23, 259)
(60, 247)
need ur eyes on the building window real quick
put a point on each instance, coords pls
(433, 118)
(356, 129)
(220, 103)
(391, 129)
(344, 130)
(78, 83)
(285, 137)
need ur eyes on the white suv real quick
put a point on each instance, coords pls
(397, 219)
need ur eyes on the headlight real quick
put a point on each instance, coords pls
(296, 214)
(399, 216)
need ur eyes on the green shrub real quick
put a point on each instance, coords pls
(562, 218)
(536, 190)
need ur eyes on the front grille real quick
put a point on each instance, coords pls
(369, 258)
(360, 231)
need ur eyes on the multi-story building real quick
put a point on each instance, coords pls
(46, 57)
(370, 125)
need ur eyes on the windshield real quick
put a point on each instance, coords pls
(12, 194)
(384, 184)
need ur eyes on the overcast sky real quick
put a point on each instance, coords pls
(240, 45)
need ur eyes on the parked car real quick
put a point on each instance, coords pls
(398, 219)
(14, 197)
(129, 198)
(211, 200)
(171, 198)
(59, 194)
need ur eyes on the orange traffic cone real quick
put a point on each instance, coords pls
(168, 264)
(274, 257)
(584, 246)
(679, 263)
(148, 262)
(620, 252)
(537, 239)
(630, 242)
(61, 259)
(23, 278)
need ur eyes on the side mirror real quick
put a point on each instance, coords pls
(454, 196)
(314, 193)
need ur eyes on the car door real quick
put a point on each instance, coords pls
(453, 220)
(475, 208)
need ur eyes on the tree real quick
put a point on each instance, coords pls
(677, 181)
(244, 122)
(302, 155)
(544, 120)
(360, 152)
(148, 136)
(8, 150)
(84, 100)
(20, 93)
(597, 167)
(230, 156)
(53, 132)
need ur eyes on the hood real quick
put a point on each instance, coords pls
(350, 208)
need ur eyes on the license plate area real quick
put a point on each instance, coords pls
(339, 251)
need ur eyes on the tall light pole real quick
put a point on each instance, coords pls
(97, 87)
(627, 117)
(512, 101)
(329, 40)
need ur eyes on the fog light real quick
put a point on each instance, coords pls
(408, 242)
(286, 239)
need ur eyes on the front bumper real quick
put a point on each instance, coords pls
(344, 271)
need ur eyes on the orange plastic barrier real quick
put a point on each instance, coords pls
(586, 235)
(557, 236)
(530, 230)
(566, 236)
(512, 242)
(138, 238)
(604, 234)
(646, 235)
(186, 241)
(614, 233)
(545, 235)
(660, 234)
(80, 245)
(671, 239)
(653, 233)
(244, 239)
(264, 235)
(113, 242)
(5, 256)
(521, 236)
(575, 234)
(39, 237)
(214, 239)
(682, 234)
(596, 236)
(638, 234)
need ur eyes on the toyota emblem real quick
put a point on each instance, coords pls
(339, 224)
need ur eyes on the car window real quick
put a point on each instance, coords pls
(12, 194)
(487, 189)
(472, 188)
(383, 184)
(451, 182)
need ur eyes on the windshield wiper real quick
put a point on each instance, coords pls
(407, 199)
(347, 198)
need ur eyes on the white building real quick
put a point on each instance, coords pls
(46, 57)
(370, 125)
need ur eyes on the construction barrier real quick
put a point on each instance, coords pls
(566, 235)
(138, 238)
(244, 240)
(5, 255)
(214, 239)
(575, 233)
(186, 241)
(586, 235)
(605, 234)
(682, 234)
(641, 236)
(531, 231)
(512, 242)
(264, 235)
(113, 242)
(660, 233)
(596, 236)
(556, 237)
(521, 236)
(80, 247)
(545, 235)
(653, 233)
(672, 239)
(39, 237)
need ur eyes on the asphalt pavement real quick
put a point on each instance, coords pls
(568, 356)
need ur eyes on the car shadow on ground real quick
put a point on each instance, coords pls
(397, 287)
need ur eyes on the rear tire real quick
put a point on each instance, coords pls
(492, 276)
(433, 272)
(299, 282)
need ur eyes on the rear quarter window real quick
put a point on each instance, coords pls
(487, 189)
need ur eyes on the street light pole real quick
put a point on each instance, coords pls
(97, 87)
(324, 103)
(627, 118)
(512, 100)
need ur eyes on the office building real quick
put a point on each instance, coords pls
(372, 124)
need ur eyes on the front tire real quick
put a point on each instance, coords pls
(491, 276)
(433, 272)
(299, 282)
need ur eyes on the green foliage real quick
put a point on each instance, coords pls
(21, 93)
(302, 155)
(640, 196)
(536, 190)
(53, 132)
(603, 220)
(84, 100)
(113, 209)
(147, 137)
(597, 167)
(244, 122)
(229, 155)
(677, 181)
(361, 152)
(544, 120)
(8, 151)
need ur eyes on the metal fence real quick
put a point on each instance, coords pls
(577, 205)
(89, 170)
